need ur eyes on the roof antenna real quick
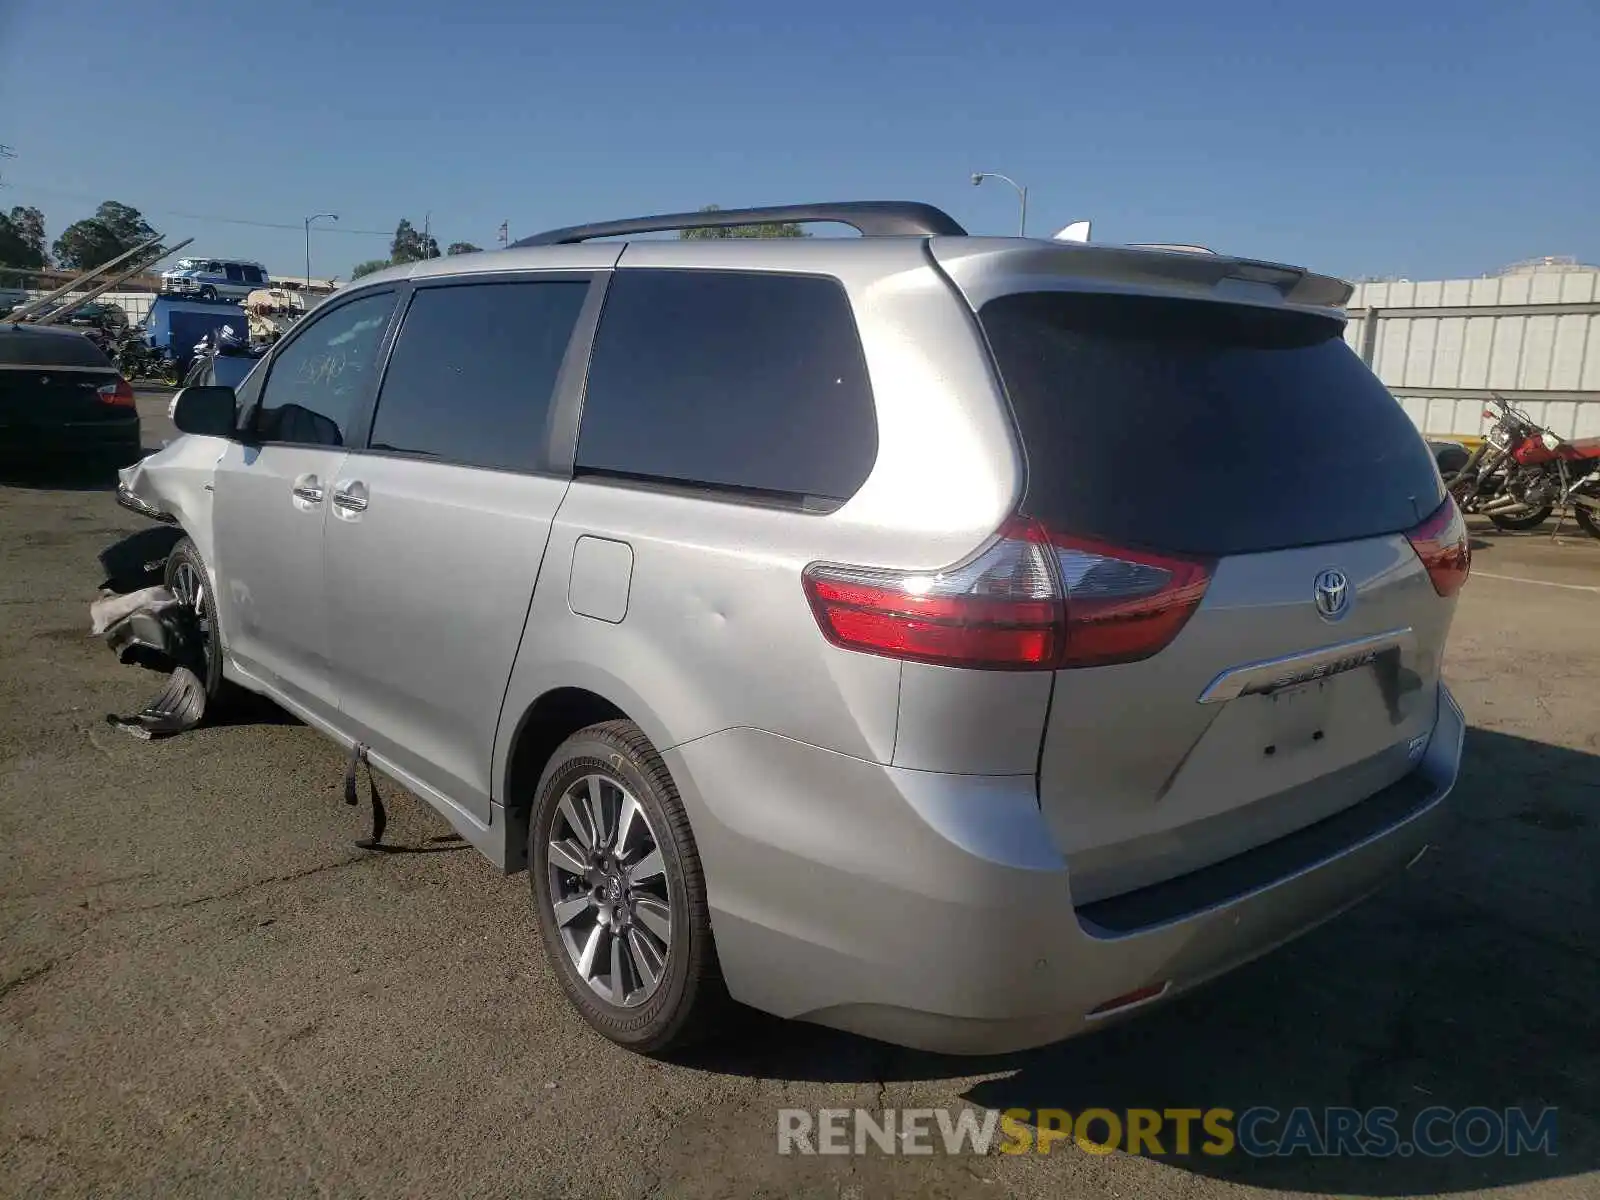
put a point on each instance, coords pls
(1078, 231)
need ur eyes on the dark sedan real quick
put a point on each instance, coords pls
(60, 394)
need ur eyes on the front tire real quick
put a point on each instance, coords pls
(619, 893)
(1588, 520)
(1529, 520)
(208, 293)
(187, 579)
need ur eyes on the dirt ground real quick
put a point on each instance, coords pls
(206, 989)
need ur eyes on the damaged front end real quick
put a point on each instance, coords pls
(143, 622)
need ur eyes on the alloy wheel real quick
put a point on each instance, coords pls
(609, 890)
(189, 587)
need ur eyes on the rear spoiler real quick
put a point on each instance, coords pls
(987, 267)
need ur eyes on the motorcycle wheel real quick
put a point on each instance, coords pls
(1528, 520)
(1588, 519)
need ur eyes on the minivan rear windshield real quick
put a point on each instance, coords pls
(1203, 427)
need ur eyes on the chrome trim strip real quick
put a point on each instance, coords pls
(129, 501)
(1303, 666)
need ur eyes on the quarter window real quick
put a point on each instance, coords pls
(728, 380)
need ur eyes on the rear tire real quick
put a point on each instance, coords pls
(632, 943)
(1530, 520)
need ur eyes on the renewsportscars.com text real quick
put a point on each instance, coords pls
(1260, 1132)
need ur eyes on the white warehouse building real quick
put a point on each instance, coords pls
(1530, 334)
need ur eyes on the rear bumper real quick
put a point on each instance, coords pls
(933, 911)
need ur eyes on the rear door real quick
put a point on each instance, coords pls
(50, 379)
(1184, 448)
(272, 495)
(439, 522)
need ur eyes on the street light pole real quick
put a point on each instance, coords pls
(1022, 193)
(318, 217)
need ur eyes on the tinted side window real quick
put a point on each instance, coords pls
(234, 272)
(319, 380)
(252, 274)
(729, 380)
(473, 371)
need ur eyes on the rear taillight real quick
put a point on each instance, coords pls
(1000, 610)
(117, 394)
(1031, 600)
(1124, 605)
(1442, 544)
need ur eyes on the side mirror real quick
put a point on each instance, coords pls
(205, 411)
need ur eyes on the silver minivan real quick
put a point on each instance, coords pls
(962, 641)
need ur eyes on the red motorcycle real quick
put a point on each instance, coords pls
(1522, 472)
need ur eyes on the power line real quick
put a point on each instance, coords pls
(209, 217)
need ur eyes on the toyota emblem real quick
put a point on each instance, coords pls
(1332, 594)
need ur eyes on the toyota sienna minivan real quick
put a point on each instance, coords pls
(962, 641)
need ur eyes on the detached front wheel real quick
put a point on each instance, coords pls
(619, 893)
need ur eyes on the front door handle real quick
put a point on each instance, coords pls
(307, 491)
(350, 497)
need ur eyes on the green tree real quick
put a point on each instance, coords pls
(411, 246)
(114, 229)
(22, 240)
(368, 267)
(785, 229)
(462, 248)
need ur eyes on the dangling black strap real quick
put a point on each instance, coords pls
(380, 817)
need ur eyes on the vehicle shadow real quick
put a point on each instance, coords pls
(249, 708)
(62, 474)
(1470, 982)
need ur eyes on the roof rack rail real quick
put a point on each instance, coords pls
(1178, 246)
(870, 218)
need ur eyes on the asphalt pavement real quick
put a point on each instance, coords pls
(207, 989)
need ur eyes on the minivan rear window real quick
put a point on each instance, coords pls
(1203, 427)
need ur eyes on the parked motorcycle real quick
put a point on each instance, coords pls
(137, 359)
(1522, 471)
(223, 358)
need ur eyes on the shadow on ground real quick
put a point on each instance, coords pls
(1471, 982)
(63, 474)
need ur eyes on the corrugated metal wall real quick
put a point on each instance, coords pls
(1536, 341)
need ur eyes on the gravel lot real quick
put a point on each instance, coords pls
(206, 989)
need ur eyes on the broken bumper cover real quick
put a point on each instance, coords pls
(151, 628)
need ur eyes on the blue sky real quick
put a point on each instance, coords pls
(1424, 139)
